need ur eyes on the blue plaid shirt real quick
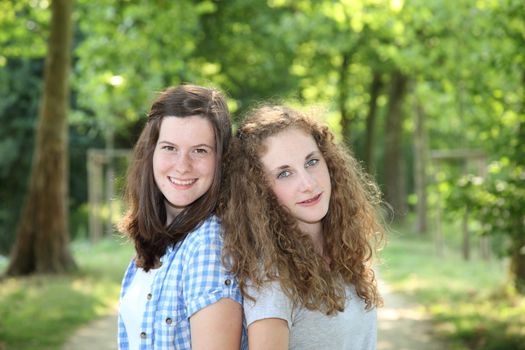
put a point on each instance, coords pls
(190, 278)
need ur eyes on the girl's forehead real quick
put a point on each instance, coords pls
(288, 147)
(289, 136)
(187, 129)
(285, 134)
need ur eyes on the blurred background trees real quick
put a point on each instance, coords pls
(399, 80)
(42, 236)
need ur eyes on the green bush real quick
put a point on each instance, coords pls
(497, 203)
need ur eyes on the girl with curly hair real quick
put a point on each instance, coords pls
(301, 228)
(176, 293)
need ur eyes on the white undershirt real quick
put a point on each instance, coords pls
(134, 303)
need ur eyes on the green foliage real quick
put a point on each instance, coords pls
(40, 312)
(159, 37)
(501, 202)
(248, 47)
(24, 29)
(496, 203)
(19, 92)
(471, 302)
(464, 61)
(22, 48)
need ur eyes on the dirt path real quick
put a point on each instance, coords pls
(99, 335)
(402, 326)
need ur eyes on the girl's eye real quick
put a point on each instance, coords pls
(168, 148)
(284, 174)
(311, 162)
(201, 151)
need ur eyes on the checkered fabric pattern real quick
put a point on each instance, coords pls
(190, 278)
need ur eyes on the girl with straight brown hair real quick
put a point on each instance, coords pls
(176, 294)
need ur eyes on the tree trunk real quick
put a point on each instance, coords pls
(438, 235)
(343, 97)
(466, 235)
(484, 247)
(42, 242)
(420, 166)
(517, 262)
(519, 156)
(395, 190)
(375, 88)
(521, 130)
(518, 239)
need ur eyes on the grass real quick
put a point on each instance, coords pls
(40, 312)
(471, 302)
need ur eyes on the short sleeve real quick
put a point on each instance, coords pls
(205, 279)
(270, 302)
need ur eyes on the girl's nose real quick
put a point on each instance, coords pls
(307, 182)
(182, 163)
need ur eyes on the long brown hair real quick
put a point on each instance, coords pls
(145, 220)
(262, 239)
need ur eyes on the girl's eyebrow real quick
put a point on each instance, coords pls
(282, 167)
(286, 166)
(203, 145)
(173, 144)
(310, 155)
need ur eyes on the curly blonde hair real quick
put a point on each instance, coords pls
(262, 241)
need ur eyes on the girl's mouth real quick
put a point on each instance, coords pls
(312, 201)
(183, 183)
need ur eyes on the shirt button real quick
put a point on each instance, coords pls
(228, 282)
(143, 335)
(169, 320)
(148, 296)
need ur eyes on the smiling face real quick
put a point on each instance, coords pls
(298, 176)
(184, 161)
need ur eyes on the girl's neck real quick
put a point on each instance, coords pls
(315, 231)
(171, 212)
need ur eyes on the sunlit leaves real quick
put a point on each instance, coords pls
(24, 28)
(145, 43)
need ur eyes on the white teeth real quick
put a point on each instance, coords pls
(181, 182)
(311, 199)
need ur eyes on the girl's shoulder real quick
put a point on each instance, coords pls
(208, 233)
(200, 249)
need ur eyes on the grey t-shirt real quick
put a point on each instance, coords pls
(353, 329)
